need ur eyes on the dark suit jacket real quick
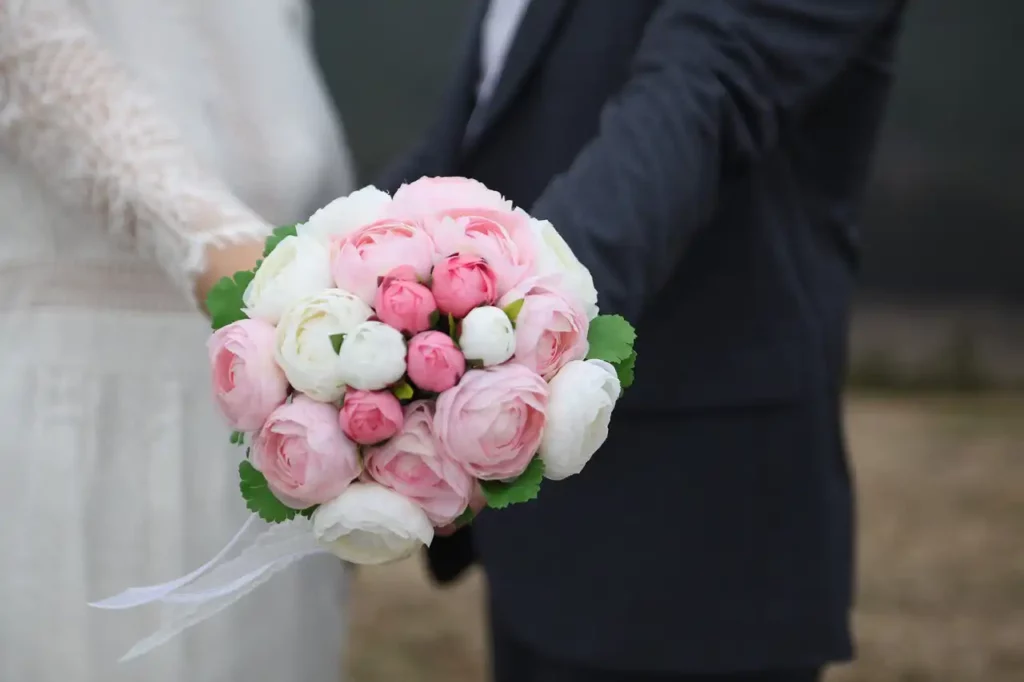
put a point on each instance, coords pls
(706, 160)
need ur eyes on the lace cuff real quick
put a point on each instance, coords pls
(72, 114)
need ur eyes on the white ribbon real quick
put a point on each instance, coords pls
(261, 550)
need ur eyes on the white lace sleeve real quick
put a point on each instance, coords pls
(73, 115)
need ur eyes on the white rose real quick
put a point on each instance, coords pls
(341, 216)
(580, 402)
(372, 356)
(304, 348)
(487, 336)
(555, 257)
(296, 268)
(371, 524)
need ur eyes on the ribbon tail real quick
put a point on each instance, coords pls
(177, 620)
(220, 583)
(137, 596)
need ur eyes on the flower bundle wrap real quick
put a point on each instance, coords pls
(386, 362)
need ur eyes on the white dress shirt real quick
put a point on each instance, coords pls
(498, 31)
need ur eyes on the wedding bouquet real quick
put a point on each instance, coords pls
(387, 361)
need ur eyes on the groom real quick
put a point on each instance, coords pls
(706, 159)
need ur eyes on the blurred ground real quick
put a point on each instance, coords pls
(941, 484)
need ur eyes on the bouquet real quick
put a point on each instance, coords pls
(388, 361)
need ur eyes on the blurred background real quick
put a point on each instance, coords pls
(935, 406)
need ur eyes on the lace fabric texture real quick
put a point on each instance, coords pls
(72, 114)
(133, 133)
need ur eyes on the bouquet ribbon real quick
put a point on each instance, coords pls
(257, 552)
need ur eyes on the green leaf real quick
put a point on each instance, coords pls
(224, 302)
(465, 517)
(452, 328)
(611, 338)
(513, 308)
(336, 341)
(258, 498)
(526, 487)
(277, 236)
(308, 511)
(237, 438)
(625, 370)
(403, 391)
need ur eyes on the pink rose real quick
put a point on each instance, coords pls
(491, 422)
(247, 382)
(436, 196)
(463, 282)
(403, 272)
(551, 327)
(360, 258)
(404, 304)
(434, 363)
(369, 417)
(304, 455)
(413, 465)
(502, 238)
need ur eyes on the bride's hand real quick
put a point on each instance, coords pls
(225, 261)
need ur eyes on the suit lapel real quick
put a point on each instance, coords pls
(460, 100)
(533, 36)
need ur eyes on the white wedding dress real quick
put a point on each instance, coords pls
(133, 133)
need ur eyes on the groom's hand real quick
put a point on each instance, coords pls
(476, 503)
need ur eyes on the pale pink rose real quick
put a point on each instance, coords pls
(551, 327)
(413, 465)
(491, 422)
(434, 363)
(503, 238)
(436, 196)
(369, 417)
(247, 382)
(360, 258)
(404, 304)
(304, 455)
(463, 282)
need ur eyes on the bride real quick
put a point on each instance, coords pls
(145, 145)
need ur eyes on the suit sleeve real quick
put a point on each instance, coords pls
(711, 84)
(449, 557)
